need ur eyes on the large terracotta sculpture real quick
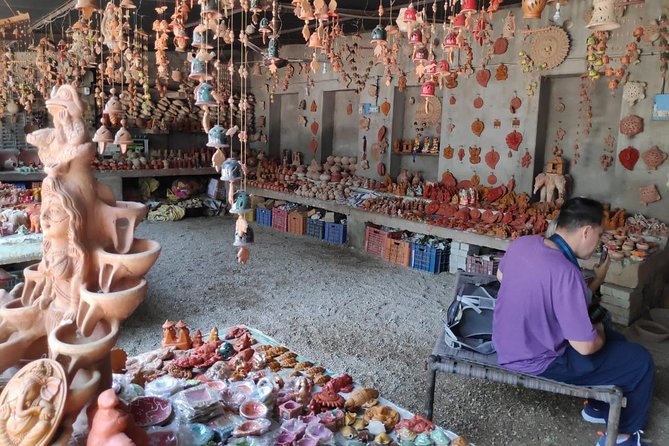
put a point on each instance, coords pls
(91, 275)
(552, 181)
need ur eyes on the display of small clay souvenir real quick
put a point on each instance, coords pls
(361, 397)
(302, 120)
(150, 410)
(502, 72)
(500, 46)
(649, 194)
(628, 157)
(474, 155)
(631, 125)
(477, 127)
(492, 158)
(653, 157)
(482, 77)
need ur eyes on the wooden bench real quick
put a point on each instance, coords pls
(475, 365)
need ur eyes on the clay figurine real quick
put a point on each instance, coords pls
(112, 425)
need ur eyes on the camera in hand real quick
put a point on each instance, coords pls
(597, 313)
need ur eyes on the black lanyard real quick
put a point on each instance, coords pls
(564, 247)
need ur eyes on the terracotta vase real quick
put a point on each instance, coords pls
(532, 9)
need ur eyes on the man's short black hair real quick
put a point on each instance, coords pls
(578, 212)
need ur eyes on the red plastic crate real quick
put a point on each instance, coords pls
(483, 264)
(297, 222)
(280, 219)
(397, 251)
(375, 239)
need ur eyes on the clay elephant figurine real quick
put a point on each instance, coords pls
(547, 184)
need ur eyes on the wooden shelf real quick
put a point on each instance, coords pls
(411, 154)
(37, 176)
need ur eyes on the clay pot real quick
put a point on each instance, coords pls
(84, 351)
(135, 263)
(113, 306)
(532, 9)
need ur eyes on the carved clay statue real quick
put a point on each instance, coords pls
(547, 184)
(91, 274)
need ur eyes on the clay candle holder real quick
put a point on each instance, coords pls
(135, 263)
(318, 433)
(290, 409)
(252, 410)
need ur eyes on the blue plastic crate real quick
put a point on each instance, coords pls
(426, 258)
(315, 228)
(335, 233)
(264, 216)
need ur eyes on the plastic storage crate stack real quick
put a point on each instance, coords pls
(376, 237)
(431, 256)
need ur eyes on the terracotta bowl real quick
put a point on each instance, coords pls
(252, 410)
(135, 263)
(150, 410)
(84, 351)
(252, 427)
(18, 317)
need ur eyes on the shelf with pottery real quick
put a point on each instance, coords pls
(356, 215)
(411, 154)
(142, 173)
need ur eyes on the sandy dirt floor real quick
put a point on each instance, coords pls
(351, 313)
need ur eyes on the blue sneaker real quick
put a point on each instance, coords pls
(633, 440)
(594, 415)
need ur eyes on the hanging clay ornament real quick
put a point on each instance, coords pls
(526, 160)
(515, 104)
(381, 169)
(474, 155)
(313, 145)
(502, 72)
(628, 157)
(653, 157)
(302, 120)
(314, 128)
(560, 107)
(381, 133)
(477, 127)
(385, 108)
(314, 107)
(497, 124)
(461, 153)
(302, 105)
(448, 152)
(492, 158)
(478, 102)
(482, 77)
(649, 194)
(450, 127)
(349, 108)
(364, 123)
(492, 179)
(560, 133)
(513, 140)
(452, 100)
(631, 125)
(500, 46)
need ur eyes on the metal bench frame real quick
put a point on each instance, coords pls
(464, 363)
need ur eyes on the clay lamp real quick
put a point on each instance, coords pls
(102, 136)
(468, 7)
(216, 136)
(410, 14)
(379, 36)
(241, 203)
(416, 37)
(458, 21)
(252, 410)
(123, 138)
(427, 89)
(198, 70)
(231, 170)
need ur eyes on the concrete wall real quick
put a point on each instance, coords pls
(538, 118)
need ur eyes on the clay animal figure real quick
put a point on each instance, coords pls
(112, 425)
(547, 184)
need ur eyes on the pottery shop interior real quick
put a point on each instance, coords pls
(275, 222)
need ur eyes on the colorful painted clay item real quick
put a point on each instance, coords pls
(492, 158)
(474, 155)
(513, 140)
(252, 428)
(631, 125)
(515, 104)
(478, 102)
(313, 145)
(653, 157)
(318, 432)
(385, 108)
(628, 157)
(314, 107)
(150, 410)
(314, 128)
(252, 410)
(477, 127)
(502, 72)
(231, 170)
(482, 77)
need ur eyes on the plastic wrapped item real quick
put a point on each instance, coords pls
(125, 389)
(236, 393)
(165, 386)
(200, 403)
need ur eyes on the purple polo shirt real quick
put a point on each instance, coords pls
(540, 305)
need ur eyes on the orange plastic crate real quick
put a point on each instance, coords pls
(397, 251)
(375, 239)
(297, 223)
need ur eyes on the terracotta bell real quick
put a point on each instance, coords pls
(128, 4)
(458, 21)
(416, 37)
(255, 6)
(315, 41)
(451, 40)
(201, 38)
(203, 95)
(102, 136)
(241, 203)
(379, 36)
(210, 10)
(273, 49)
(410, 14)
(216, 136)
(113, 105)
(603, 16)
(245, 238)
(231, 170)
(468, 7)
(86, 6)
(123, 137)
(444, 66)
(198, 70)
(263, 27)
(427, 89)
(420, 54)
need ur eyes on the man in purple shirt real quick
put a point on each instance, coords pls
(541, 324)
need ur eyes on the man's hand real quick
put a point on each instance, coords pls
(600, 274)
